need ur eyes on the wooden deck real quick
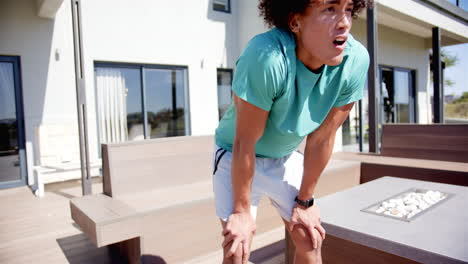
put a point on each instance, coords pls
(40, 230)
(34, 230)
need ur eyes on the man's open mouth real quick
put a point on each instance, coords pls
(340, 40)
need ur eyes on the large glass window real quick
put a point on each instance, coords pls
(224, 90)
(119, 104)
(165, 101)
(402, 93)
(222, 5)
(397, 96)
(136, 102)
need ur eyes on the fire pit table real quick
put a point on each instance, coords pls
(395, 220)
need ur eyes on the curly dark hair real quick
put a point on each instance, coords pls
(279, 12)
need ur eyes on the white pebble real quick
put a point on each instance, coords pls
(410, 204)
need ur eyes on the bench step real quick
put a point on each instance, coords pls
(105, 220)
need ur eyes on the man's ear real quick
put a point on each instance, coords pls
(294, 23)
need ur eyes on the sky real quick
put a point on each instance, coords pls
(459, 72)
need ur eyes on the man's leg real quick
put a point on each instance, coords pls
(224, 201)
(237, 257)
(305, 252)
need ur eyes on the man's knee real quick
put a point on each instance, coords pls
(302, 239)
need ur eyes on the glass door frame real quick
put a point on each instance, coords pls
(15, 60)
(413, 98)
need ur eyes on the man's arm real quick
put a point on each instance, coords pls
(250, 125)
(319, 147)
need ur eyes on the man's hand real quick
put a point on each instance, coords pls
(239, 230)
(310, 219)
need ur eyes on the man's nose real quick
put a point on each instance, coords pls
(344, 21)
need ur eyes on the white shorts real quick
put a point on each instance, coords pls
(278, 179)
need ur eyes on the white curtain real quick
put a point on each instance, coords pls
(7, 91)
(112, 105)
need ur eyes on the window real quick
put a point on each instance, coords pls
(460, 3)
(224, 90)
(136, 102)
(222, 5)
(398, 91)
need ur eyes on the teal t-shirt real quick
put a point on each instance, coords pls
(270, 76)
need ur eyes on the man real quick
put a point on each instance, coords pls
(298, 80)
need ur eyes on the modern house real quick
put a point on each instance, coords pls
(76, 71)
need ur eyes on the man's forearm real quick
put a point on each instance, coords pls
(242, 171)
(316, 157)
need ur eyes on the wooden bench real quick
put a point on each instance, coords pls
(437, 153)
(152, 187)
(446, 142)
(140, 180)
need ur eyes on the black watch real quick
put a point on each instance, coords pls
(306, 203)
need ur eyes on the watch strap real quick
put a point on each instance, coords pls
(305, 203)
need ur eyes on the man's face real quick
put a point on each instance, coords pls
(322, 32)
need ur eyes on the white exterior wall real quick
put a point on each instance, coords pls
(48, 84)
(250, 24)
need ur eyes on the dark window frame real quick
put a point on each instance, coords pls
(141, 67)
(225, 10)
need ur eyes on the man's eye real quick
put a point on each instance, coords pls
(350, 10)
(330, 9)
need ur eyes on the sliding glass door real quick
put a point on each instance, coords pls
(12, 147)
(398, 96)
